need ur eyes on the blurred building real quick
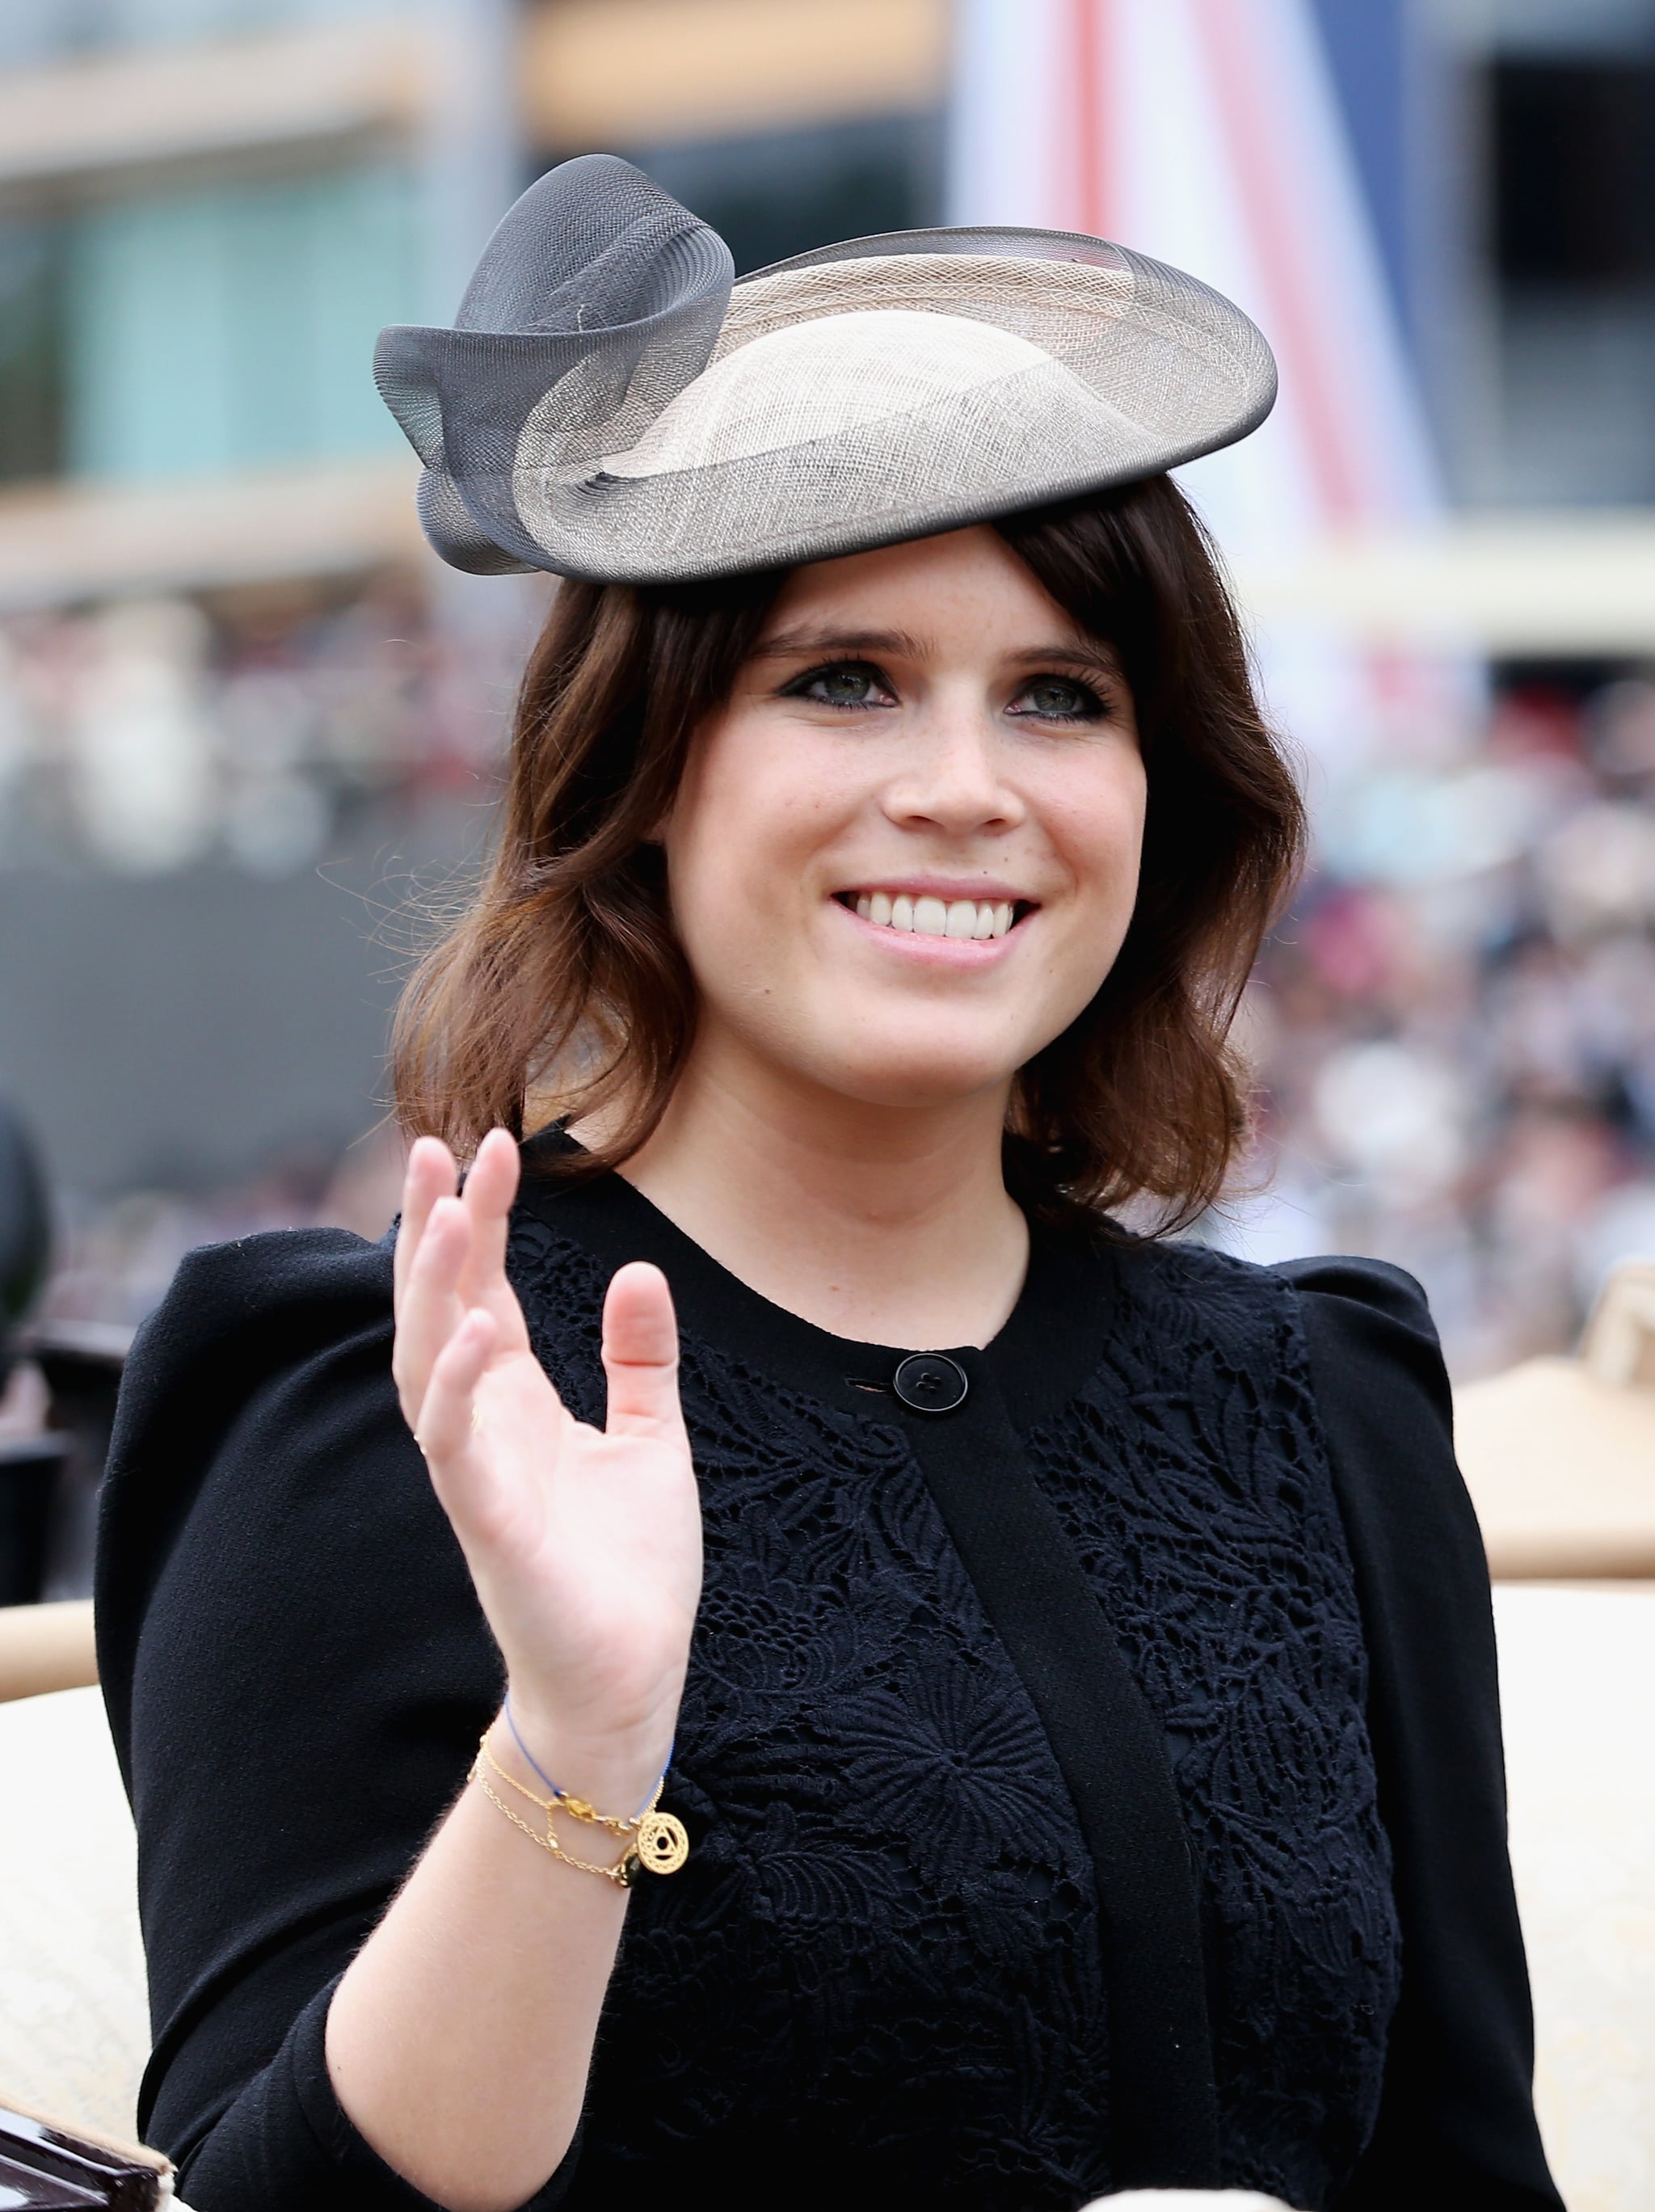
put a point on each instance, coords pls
(1441, 212)
(1456, 1028)
(245, 723)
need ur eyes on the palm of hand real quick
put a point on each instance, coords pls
(584, 1545)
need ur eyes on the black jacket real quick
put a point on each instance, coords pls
(1098, 1785)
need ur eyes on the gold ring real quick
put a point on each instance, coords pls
(476, 1419)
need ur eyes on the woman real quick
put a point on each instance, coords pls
(1049, 1669)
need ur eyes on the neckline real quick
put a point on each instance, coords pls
(1049, 1344)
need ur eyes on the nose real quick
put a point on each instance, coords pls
(952, 775)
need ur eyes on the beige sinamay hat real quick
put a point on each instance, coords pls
(610, 405)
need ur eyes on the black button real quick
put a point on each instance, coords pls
(930, 1382)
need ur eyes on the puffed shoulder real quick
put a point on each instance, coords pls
(236, 1316)
(1370, 1282)
(290, 1280)
(1369, 1313)
(1387, 1409)
(1456, 2124)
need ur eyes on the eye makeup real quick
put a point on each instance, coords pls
(847, 686)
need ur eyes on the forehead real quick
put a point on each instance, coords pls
(925, 587)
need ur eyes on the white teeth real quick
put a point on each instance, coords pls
(935, 917)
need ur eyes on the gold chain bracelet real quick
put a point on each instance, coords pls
(657, 1840)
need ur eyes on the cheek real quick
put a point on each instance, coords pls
(748, 818)
(1098, 831)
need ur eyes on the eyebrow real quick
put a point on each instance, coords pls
(861, 644)
(844, 643)
(1100, 658)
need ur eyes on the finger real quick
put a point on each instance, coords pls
(446, 1418)
(490, 1188)
(640, 1354)
(430, 1175)
(474, 1486)
(431, 1308)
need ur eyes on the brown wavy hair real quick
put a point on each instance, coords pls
(563, 989)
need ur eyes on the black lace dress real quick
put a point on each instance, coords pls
(1094, 1784)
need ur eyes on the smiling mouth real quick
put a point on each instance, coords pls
(926, 916)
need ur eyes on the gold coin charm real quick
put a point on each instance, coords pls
(662, 1844)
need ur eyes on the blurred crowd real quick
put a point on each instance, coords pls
(1454, 1030)
(115, 1260)
(268, 730)
(250, 728)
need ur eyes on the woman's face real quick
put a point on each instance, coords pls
(904, 855)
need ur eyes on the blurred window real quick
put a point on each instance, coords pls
(31, 350)
(223, 329)
(1555, 26)
(776, 193)
(1574, 172)
(1572, 246)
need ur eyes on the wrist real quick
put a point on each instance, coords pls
(615, 1773)
(570, 1834)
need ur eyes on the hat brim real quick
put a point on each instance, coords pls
(1024, 440)
(706, 443)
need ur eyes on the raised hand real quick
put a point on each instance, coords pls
(584, 1545)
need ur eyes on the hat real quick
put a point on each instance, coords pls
(611, 405)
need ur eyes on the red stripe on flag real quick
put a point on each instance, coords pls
(1087, 47)
(1298, 318)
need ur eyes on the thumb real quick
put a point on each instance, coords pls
(640, 1354)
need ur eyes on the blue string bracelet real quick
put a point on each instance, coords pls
(563, 1795)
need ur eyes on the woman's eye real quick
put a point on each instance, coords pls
(847, 685)
(1055, 699)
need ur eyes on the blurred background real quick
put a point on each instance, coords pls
(246, 725)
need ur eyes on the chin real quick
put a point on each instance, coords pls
(912, 1079)
(917, 1055)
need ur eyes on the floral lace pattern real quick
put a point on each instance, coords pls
(883, 1954)
(1191, 1477)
